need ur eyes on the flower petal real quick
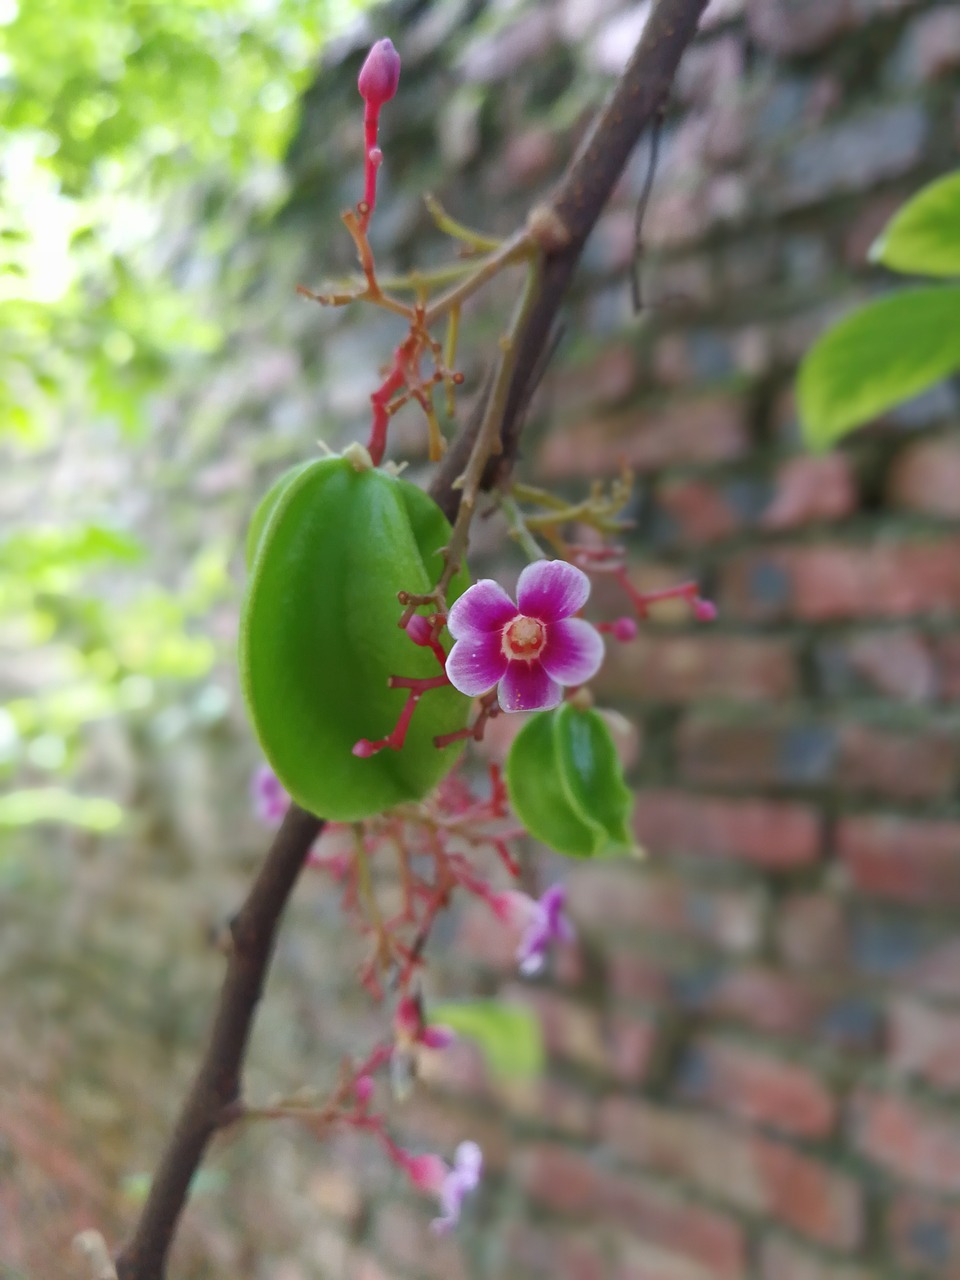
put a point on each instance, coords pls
(475, 664)
(482, 608)
(527, 687)
(552, 589)
(573, 651)
(468, 1161)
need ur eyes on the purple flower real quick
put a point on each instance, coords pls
(542, 922)
(458, 1182)
(529, 649)
(270, 801)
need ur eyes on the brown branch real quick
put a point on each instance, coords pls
(577, 202)
(217, 1083)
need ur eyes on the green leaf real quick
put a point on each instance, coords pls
(538, 795)
(566, 786)
(591, 770)
(508, 1034)
(876, 358)
(54, 804)
(924, 236)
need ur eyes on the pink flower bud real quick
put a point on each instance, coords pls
(364, 1089)
(420, 629)
(379, 74)
(624, 629)
(704, 610)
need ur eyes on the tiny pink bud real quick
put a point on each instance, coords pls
(704, 610)
(624, 629)
(420, 629)
(364, 1089)
(379, 74)
(364, 749)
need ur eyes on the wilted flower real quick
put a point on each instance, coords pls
(270, 801)
(542, 923)
(529, 649)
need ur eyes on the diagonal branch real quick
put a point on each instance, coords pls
(577, 203)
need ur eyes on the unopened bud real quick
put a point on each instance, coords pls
(624, 629)
(379, 74)
(704, 610)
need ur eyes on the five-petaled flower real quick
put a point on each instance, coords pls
(449, 1184)
(531, 649)
(541, 923)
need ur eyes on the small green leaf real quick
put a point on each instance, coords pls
(923, 238)
(591, 769)
(538, 795)
(876, 358)
(54, 804)
(508, 1034)
(566, 786)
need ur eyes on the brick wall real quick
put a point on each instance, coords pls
(755, 1047)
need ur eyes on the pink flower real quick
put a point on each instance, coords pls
(529, 649)
(270, 801)
(449, 1184)
(542, 923)
(380, 74)
(461, 1179)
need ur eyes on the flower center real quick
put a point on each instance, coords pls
(524, 638)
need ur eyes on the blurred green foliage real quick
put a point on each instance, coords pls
(140, 141)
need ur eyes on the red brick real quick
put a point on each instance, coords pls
(757, 1087)
(782, 1259)
(812, 932)
(634, 976)
(715, 751)
(907, 859)
(924, 1235)
(571, 1183)
(404, 1236)
(702, 430)
(775, 836)
(912, 1142)
(604, 380)
(926, 475)
(564, 1110)
(796, 26)
(938, 973)
(699, 511)
(811, 490)
(639, 1259)
(746, 1171)
(826, 583)
(556, 1253)
(606, 897)
(925, 1043)
(898, 664)
(700, 666)
(764, 1000)
(933, 45)
(947, 651)
(901, 766)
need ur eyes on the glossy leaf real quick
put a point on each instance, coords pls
(508, 1034)
(876, 358)
(566, 785)
(319, 639)
(924, 237)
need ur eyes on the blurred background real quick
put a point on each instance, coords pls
(754, 1049)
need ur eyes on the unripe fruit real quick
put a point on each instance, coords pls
(331, 545)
